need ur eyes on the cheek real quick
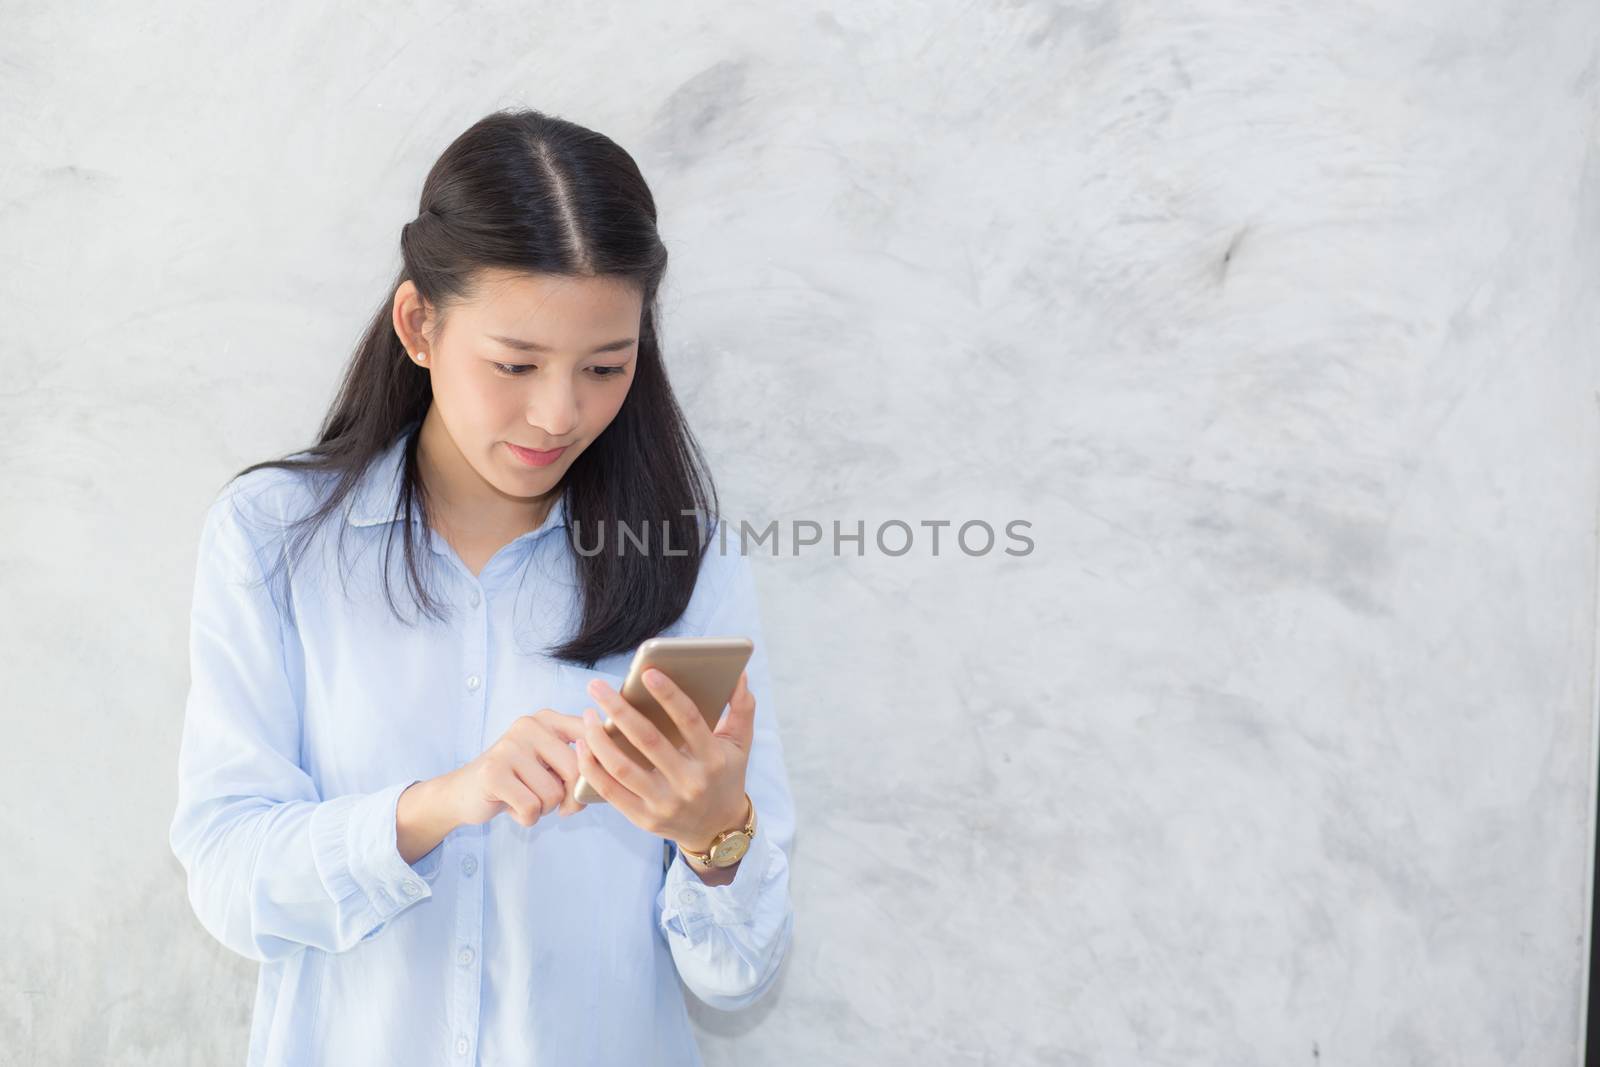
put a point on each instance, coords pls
(465, 390)
(498, 401)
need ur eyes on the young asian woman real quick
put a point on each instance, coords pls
(373, 801)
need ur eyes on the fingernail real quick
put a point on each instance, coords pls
(652, 676)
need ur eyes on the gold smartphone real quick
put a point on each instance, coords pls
(707, 670)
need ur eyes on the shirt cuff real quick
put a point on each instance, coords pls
(726, 905)
(356, 844)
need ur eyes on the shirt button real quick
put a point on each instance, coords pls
(474, 598)
(410, 888)
(469, 864)
(461, 1046)
(464, 957)
(472, 682)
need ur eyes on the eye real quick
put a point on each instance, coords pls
(514, 370)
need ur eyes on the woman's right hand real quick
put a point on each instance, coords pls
(528, 772)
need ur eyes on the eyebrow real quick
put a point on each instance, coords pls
(534, 346)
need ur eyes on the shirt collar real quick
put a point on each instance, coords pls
(376, 497)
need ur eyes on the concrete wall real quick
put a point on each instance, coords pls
(1277, 323)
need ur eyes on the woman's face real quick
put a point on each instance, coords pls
(538, 362)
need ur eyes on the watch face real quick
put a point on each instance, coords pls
(730, 849)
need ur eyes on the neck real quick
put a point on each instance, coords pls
(461, 499)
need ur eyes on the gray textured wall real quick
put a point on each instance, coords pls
(1277, 322)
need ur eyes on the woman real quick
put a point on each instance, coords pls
(342, 766)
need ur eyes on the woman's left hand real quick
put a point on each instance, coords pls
(687, 796)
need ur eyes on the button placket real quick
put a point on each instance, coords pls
(466, 1001)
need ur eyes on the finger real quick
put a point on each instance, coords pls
(554, 745)
(741, 692)
(613, 792)
(567, 727)
(651, 743)
(555, 749)
(566, 769)
(540, 779)
(738, 725)
(524, 804)
(685, 713)
(646, 784)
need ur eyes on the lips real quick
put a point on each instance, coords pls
(535, 457)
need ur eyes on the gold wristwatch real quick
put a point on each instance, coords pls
(728, 847)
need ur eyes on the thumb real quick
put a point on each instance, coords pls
(738, 722)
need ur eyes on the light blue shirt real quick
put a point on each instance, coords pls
(560, 943)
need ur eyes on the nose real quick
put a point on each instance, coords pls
(554, 408)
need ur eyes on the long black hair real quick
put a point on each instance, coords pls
(526, 191)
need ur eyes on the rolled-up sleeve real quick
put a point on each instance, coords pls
(729, 940)
(272, 867)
